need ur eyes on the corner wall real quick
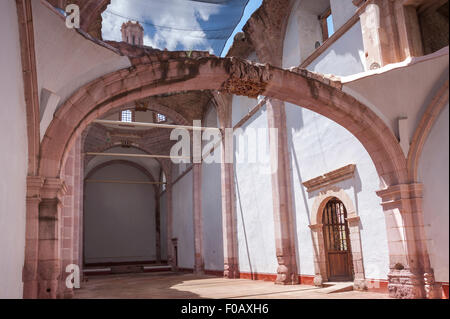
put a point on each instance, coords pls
(433, 172)
(119, 219)
(13, 157)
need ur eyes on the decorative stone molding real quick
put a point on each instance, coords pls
(34, 186)
(411, 274)
(320, 260)
(246, 80)
(329, 178)
(53, 188)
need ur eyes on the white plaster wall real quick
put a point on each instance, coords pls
(65, 59)
(343, 57)
(212, 202)
(304, 29)
(13, 157)
(183, 220)
(319, 145)
(433, 172)
(119, 219)
(255, 222)
(342, 11)
(404, 90)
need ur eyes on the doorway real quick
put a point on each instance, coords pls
(337, 241)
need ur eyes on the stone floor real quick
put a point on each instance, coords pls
(188, 286)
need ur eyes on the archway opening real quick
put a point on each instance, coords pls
(337, 241)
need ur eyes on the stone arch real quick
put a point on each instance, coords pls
(423, 130)
(320, 267)
(176, 117)
(104, 148)
(152, 179)
(124, 162)
(234, 76)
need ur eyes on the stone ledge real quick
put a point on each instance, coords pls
(332, 177)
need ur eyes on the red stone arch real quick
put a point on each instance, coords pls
(229, 74)
(104, 148)
(141, 168)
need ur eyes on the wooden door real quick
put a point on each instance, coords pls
(337, 241)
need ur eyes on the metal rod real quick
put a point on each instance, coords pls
(137, 155)
(140, 124)
(122, 181)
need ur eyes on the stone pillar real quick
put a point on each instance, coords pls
(199, 265)
(29, 273)
(157, 225)
(49, 256)
(169, 221)
(390, 32)
(67, 222)
(320, 265)
(410, 275)
(281, 195)
(229, 218)
(78, 206)
(359, 279)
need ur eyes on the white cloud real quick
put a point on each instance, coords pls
(181, 14)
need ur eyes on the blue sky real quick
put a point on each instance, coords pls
(252, 6)
(181, 24)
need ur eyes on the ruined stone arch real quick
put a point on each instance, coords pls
(234, 76)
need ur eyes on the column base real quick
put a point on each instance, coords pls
(48, 289)
(231, 271)
(30, 289)
(432, 289)
(360, 284)
(405, 285)
(318, 281)
(285, 276)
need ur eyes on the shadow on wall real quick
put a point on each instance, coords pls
(294, 124)
(343, 58)
(238, 197)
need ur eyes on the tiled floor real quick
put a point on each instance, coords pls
(189, 286)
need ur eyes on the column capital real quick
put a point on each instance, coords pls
(401, 196)
(53, 188)
(34, 186)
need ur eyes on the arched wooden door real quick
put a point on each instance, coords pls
(337, 241)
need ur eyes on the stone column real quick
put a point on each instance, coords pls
(157, 225)
(359, 279)
(229, 218)
(390, 31)
(49, 256)
(78, 206)
(170, 251)
(67, 222)
(29, 273)
(320, 263)
(281, 195)
(199, 265)
(410, 275)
